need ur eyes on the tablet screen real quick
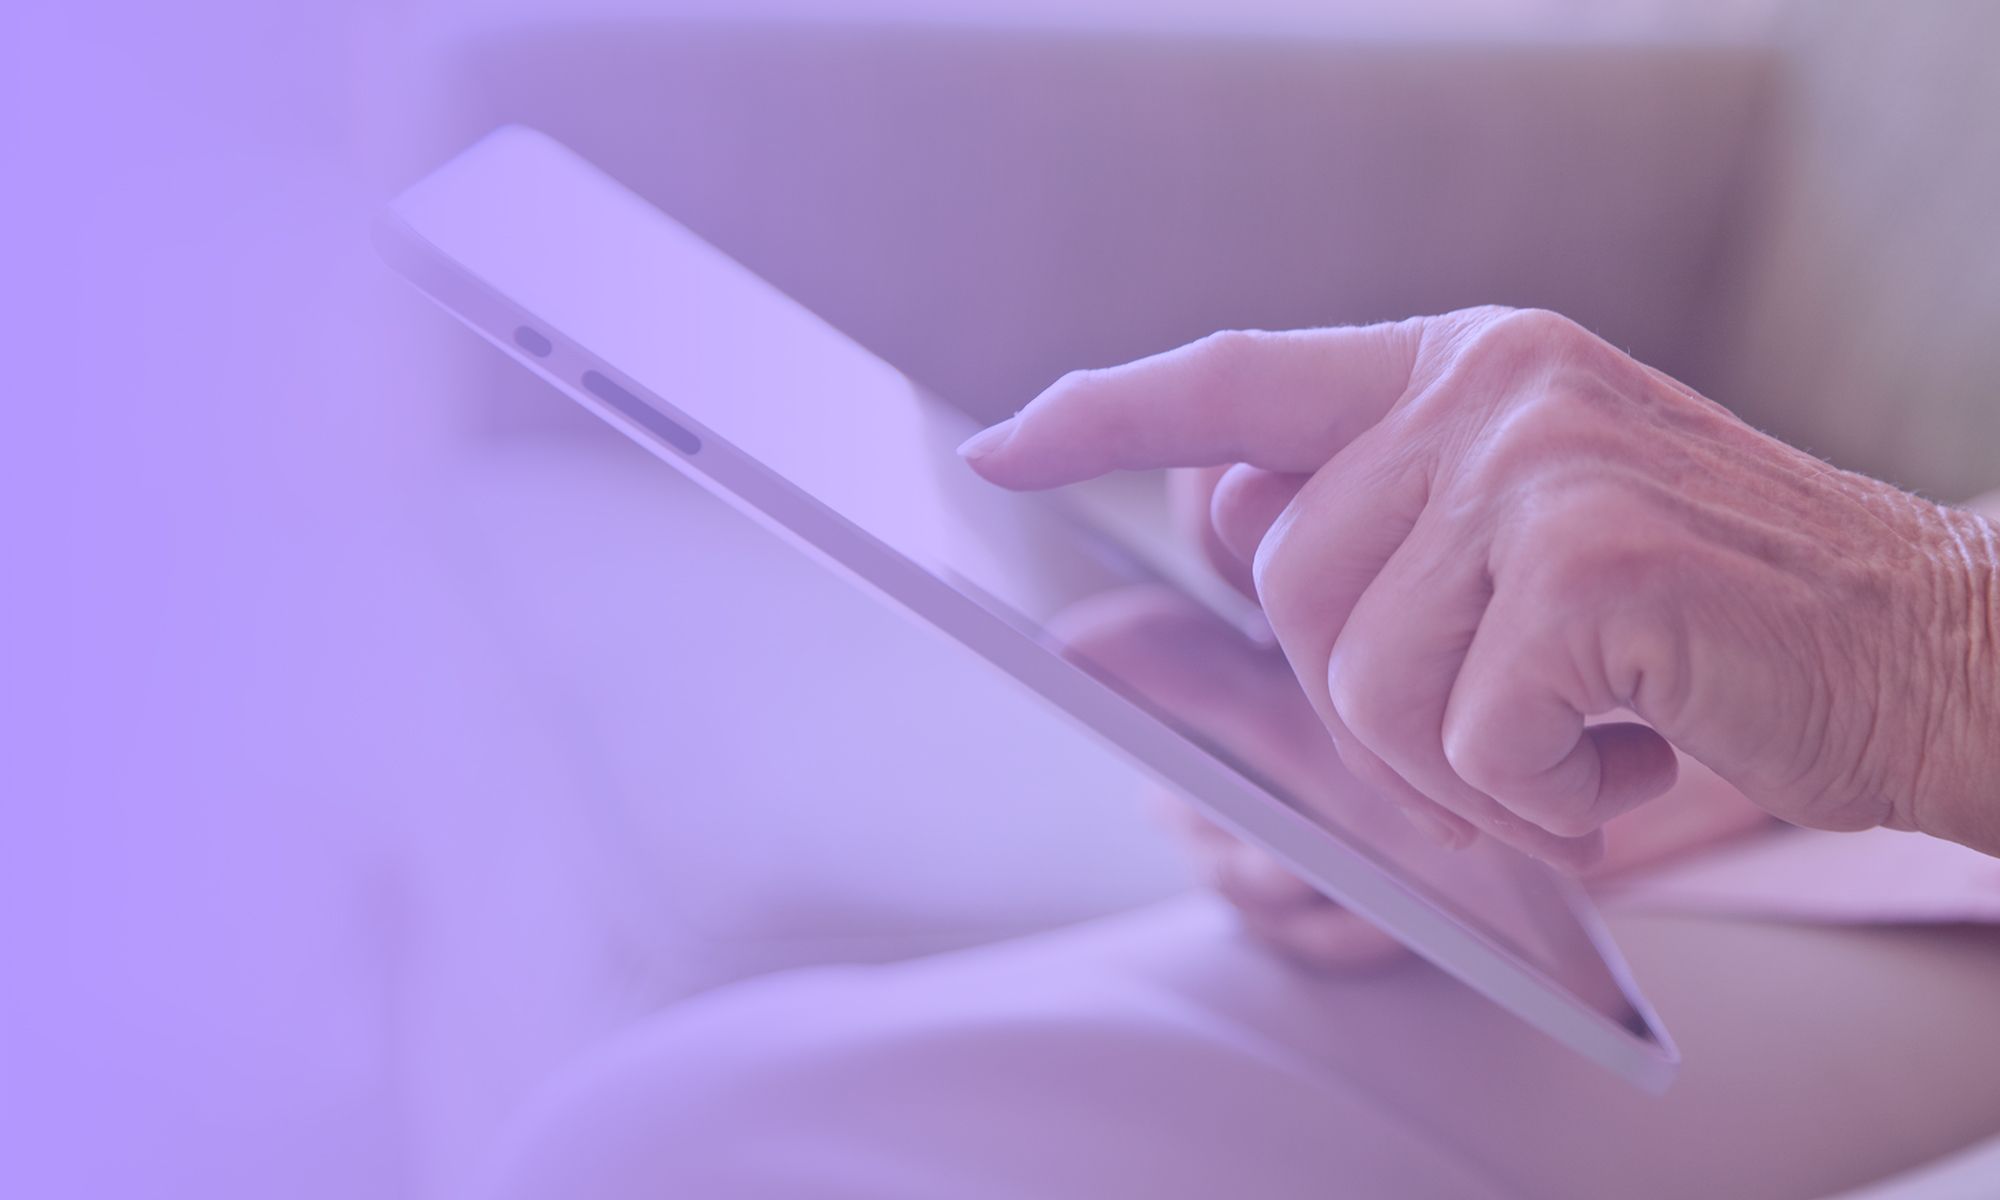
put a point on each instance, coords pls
(681, 340)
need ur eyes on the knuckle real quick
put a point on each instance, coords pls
(1534, 330)
(1480, 315)
(1550, 418)
(1363, 691)
(1470, 757)
(1529, 373)
(1224, 354)
(1077, 394)
(1551, 434)
(1076, 382)
(1540, 324)
(1510, 343)
(1454, 330)
(1217, 368)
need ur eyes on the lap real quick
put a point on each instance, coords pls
(1157, 1053)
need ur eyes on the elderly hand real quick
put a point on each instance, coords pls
(1473, 532)
(1188, 663)
(1243, 697)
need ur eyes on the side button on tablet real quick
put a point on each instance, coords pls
(641, 412)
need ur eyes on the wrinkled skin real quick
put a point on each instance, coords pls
(1474, 533)
(1181, 658)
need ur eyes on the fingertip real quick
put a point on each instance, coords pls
(982, 451)
(1050, 442)
(1031, 453)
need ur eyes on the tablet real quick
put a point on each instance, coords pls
(727, 379)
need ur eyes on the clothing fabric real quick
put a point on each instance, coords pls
(1879, 876)
(1160, 1054)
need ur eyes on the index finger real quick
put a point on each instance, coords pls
(1282, 401)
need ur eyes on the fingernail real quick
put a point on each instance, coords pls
(986, 441)
(1434, 827)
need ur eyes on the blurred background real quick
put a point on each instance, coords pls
(380, 732)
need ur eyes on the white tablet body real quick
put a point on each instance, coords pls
(763, 403)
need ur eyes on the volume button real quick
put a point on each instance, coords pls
(675, 434)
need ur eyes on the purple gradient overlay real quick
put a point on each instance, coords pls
(387, 745)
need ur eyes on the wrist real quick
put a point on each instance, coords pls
(1958, 794)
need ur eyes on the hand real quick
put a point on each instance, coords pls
(1244, 698)
(1473, 532)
